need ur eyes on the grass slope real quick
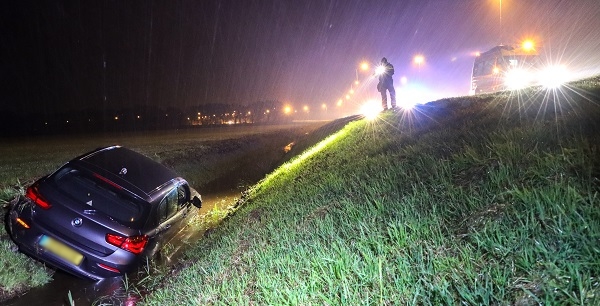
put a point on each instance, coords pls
(480, 200)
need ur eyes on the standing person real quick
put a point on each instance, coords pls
(386, 83)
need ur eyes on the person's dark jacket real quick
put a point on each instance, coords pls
(385, 79)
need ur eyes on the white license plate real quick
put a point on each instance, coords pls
(61, 250)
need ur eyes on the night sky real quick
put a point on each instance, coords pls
(70, 55)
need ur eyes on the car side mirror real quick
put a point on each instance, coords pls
(197, 201)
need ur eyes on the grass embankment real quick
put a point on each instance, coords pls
(479, 200)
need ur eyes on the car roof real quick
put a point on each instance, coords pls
(129, 166)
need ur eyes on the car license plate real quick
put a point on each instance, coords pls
(60, 249)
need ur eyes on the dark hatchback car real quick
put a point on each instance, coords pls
(101, 213)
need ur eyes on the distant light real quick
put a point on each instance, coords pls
(496, 70)
(324, 106)
(528, 45)
(403, 80)
(364, 66)
(340, 102)
(287, 109)
(351, 91)
(347, 97)
(356, 82)
(419, 59)
(116, 117)
(305, 108)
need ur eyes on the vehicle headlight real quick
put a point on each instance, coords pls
(553, 76)
(518, 78)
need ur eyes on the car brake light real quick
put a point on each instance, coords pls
(33, 194)
(133, 244)
(102, 178)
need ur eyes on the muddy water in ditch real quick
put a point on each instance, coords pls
(114, 291)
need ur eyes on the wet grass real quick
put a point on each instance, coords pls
(485, 200)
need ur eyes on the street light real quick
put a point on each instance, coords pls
(364, 66)
(528, 45)
(419, 59)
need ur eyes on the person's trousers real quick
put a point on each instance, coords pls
(384, 91)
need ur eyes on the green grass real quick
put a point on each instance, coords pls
(485, 200)
(18, 271)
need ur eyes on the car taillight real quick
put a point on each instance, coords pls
(33, 194)
(133, 244)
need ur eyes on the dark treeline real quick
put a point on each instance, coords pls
(139, 118)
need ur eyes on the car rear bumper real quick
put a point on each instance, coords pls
(28, 241)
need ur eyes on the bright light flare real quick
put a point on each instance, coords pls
(371, 109)
(419, 59)
(379, 70)
(553, 76)
(407, 104)
(528, 45)
(517, 79)
(364, 66)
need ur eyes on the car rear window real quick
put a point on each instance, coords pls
(100, 196)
